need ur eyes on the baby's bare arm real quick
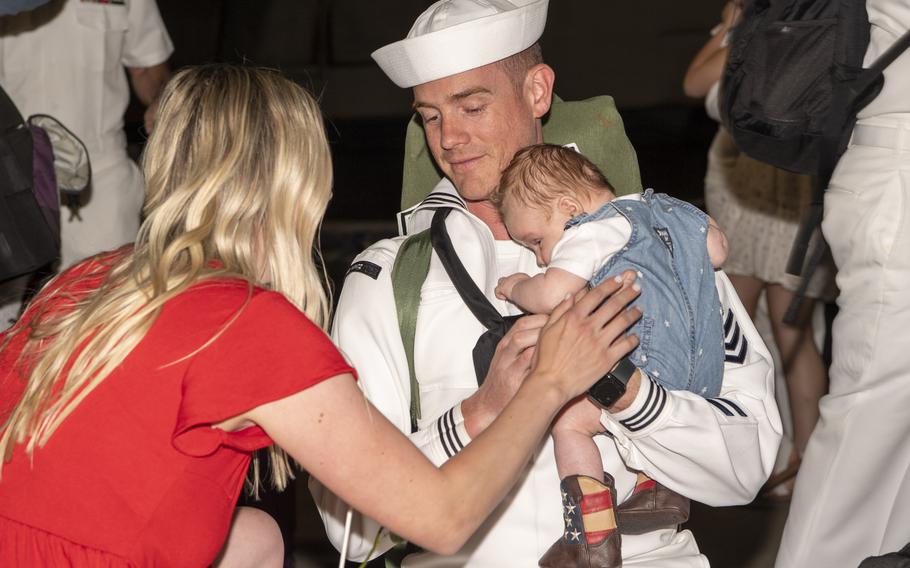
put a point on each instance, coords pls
(541, 293)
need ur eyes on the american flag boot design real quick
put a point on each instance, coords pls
(651, 506)
(591, 538)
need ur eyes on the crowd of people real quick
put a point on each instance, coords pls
(622, 376)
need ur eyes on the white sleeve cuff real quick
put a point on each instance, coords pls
(451, 431)
(647, 411)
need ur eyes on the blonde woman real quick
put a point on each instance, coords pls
(137, 385)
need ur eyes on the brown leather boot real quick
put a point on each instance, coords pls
(591, 539)
(651, 506)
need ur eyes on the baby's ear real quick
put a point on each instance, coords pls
(569, 206)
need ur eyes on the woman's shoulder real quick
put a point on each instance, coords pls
(238, 303)
(233, 294)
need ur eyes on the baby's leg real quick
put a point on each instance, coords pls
(717, 244)
(591, 536)
(573, 431)
(577, 454)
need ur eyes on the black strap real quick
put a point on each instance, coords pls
(467, 289)
(497, 325)
(871, 73)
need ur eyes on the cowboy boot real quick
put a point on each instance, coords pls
(591, 539)
(651, 506)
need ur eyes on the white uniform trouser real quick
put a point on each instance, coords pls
(852, 496)
(110, 217)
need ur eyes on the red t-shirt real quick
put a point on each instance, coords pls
(136, 475)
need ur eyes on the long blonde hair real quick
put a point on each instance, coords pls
(238, 177)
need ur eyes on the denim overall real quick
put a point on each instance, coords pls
(680, 332)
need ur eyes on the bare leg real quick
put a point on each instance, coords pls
(803, 368)
(749, 290)
(253, 542)
(576, 454)
(573, 431)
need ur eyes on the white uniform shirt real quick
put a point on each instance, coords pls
(716, 451)
(585, 248)
(67, 59)
(889, 20)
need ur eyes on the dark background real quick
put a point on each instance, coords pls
(635, 51)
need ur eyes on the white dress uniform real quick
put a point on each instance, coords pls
(852, 495)
(67, 59)
(716, 451)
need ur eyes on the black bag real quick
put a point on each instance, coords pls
(900, 559)
(787, 82)
(40, 160)
(791, 88)
(27, 240)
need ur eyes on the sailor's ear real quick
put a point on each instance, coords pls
(539, 88)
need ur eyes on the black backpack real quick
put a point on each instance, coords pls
(39, 160)
(792, 86)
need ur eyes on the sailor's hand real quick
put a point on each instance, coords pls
(508, 368)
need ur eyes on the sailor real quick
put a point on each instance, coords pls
(481, 89)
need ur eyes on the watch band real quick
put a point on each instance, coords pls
(612, 386)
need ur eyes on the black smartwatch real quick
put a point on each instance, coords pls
(612, 386)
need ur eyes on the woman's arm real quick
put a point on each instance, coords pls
(336, 435)
(708, 65)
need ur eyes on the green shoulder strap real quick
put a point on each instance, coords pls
(408, 273)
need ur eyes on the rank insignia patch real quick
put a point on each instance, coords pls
(365, 267)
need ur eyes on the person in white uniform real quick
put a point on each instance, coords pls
(852, 494)
(481, 90)
(67, 59)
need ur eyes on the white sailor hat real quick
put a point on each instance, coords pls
(453, 36)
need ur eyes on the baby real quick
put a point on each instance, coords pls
(557, 203)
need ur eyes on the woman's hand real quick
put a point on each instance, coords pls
(508, 369)
(585, 336)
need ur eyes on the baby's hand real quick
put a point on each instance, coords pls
(504, 288)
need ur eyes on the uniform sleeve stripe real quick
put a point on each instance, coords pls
(728, 322)
(445, 427)
(442, 438)
(720, 406)
(654, 405)
(450, 419)
(644, 407)
(736, 408)
(448, 433)
(661, 402)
